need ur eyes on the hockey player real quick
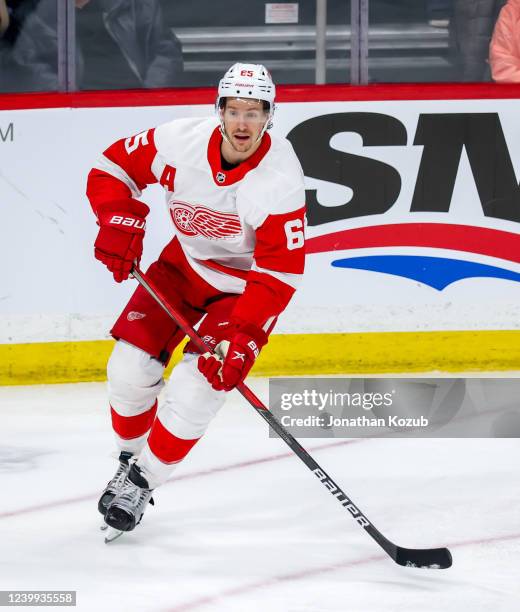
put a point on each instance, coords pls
(235, 196)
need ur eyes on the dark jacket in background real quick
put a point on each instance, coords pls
(471, 27)
(152, 52)
(31, 64)
(139, 37)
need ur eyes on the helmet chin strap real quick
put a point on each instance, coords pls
(223, 132)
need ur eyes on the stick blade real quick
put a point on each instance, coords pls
(428, 558)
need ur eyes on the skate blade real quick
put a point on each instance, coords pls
(111, 534)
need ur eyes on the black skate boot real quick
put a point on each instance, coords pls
(128, 506)
(116, 483)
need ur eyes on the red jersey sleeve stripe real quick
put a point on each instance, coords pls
(263, 298)
(293, 280)
(280, 242)
(135, 156)
(103, 187)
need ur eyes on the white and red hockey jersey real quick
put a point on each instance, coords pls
(241, 230)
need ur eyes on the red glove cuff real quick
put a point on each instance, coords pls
(239, 326)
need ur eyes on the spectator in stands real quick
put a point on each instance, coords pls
(14, 75)
(33, 60)
(125, 44)
(504, 51)
(120, 44)
(470, 30)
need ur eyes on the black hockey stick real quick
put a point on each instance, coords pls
(434, 558)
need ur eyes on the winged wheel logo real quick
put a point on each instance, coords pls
(201, 221)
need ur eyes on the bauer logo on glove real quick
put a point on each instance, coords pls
(119, 243)
(128, 222)
(233, 358)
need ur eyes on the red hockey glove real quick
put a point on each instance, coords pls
(120, 239)
(233, 359)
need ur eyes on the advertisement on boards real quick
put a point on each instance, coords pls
(412, 210)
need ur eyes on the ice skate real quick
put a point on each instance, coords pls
(116, 483)
(128, 506)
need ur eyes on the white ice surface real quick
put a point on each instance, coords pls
(244, 526)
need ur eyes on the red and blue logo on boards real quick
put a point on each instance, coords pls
(483, 181)
(437, 272)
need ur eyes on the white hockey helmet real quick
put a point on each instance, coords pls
(248, 81)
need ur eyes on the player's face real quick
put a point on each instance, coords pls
(243, 122)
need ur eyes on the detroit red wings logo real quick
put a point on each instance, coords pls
(202, 221)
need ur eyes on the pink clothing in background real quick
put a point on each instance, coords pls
(504, 50)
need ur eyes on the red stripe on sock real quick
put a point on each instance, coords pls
(133, 426)
(167, 447)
